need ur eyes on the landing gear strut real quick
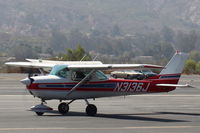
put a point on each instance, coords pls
(91, 109)
(63, 108)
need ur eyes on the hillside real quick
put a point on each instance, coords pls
(34, 16)
(115, 30)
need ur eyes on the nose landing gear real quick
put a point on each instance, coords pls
(40, 109)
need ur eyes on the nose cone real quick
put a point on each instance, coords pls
(26, 81)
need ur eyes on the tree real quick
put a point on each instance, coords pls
(198, 67)
(77, 54)
(195, 55)
(190, 66)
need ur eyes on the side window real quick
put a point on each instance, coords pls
(101, 76)
(78, 75)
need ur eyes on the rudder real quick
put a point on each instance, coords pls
(176, 64)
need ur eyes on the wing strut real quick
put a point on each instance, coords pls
(81, 82)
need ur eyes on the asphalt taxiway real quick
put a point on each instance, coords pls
(177, 111)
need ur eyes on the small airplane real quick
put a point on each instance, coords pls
(83, 80)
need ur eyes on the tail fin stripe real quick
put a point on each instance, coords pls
(172, 76)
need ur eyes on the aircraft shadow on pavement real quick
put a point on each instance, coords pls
(123, 116)
(180, 113)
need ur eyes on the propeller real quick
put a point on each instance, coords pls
(30, 74)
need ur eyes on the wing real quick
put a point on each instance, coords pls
(63, 62)
(114, 66)
(80, 65)
(34, 63)
(30, 64)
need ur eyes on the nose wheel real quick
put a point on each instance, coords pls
(39, 113)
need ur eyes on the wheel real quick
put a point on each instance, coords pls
(63, 108)
(91, 110)
(39, 113)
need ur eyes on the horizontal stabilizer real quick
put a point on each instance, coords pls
(175, 85)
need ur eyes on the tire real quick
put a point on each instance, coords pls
(39, 113)
(63, 108)
(91, 110)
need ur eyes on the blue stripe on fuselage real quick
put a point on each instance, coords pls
(111, 85)
(170, 76)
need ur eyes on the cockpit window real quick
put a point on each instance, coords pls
(101, 76)
(79, 75)
(60, 70)
(76, 75)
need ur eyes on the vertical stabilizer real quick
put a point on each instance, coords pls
(176, 64)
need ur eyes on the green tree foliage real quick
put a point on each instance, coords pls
(77, 54)
(198, 67)
(190, 66)
(195, 55)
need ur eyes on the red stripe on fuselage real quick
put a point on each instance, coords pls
(121, 86)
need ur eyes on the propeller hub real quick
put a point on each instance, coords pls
(26, 81)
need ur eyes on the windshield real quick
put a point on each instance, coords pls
(60, 70)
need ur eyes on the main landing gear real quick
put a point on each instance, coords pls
(91, 109)
(63, 108)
